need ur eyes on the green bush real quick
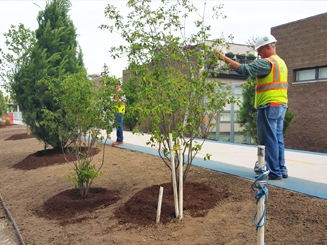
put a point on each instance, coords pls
(131, 118)
(88, 111)
(3, 104)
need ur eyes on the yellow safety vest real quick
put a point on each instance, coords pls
(121, 108)
(273, 87)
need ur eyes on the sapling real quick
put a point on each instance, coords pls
(89, 113)
(176, 92)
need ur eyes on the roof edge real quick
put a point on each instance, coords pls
(292, 22)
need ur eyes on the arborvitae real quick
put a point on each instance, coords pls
(53, 57)
(2, 104)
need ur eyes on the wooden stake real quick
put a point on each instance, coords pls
(261, 230)
(181, 195)
(28, 130)
(173, 173)
(159, 204)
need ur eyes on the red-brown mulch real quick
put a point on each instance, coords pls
(20, 136)
(67, 204)
(141, 209)
(47, 158)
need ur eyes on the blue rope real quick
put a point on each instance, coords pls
(260, 191)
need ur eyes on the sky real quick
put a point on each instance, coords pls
(244, 19)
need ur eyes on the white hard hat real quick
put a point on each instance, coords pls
(264, 40)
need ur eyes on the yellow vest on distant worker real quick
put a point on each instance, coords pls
(272, 88)
(121, 107)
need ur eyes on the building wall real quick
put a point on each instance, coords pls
(303, 44)
(233, 47)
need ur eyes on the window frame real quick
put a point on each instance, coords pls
(324, 78)
(316, 79)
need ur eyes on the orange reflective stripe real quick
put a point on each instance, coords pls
(269, 86)
(260, 91)
(276, 71)
(265, 84)
(274, 104)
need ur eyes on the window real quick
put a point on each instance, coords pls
(322, 73)
(311, 75)
(305, 75)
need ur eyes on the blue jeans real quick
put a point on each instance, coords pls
(270, 121)
(119, 119)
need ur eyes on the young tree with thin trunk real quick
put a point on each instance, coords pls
(176, 92)
(19, 42)
(89, 112)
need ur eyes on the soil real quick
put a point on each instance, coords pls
(6, 125)
(48, 157)
(129, 187)
(141, 209)
(66, 205)
(20, 136)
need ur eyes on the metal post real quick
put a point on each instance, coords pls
(218, 128)
(232, 119)
(262, 200)
(261, 194)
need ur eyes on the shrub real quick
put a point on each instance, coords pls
(88, 110)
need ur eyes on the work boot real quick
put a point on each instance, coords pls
(117, 143)
(270, 177)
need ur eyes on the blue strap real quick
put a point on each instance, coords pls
(259, 186)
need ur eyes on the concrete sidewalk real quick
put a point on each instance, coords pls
(307, 170)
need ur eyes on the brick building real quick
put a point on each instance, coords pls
(302, 45)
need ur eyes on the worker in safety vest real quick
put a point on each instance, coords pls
(270, 101)
(120, 99)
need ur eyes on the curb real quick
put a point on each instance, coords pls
(18, 235)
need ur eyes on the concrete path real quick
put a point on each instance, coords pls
(307, 170)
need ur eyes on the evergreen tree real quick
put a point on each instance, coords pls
(3, 104)
(80, 60)
(53, 57)
(248, 115)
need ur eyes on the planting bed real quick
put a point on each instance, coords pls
(219, 208)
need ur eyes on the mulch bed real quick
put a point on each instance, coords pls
(20, 136)
(141, 209)
(67, 204)
(47, 158)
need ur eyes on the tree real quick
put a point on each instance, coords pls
(174, 90)
(251, 42)
(247, 115)
(131, 116)
(53, 56)
(80, 60)
(88, 111)
(19, 42)
(3, 105)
